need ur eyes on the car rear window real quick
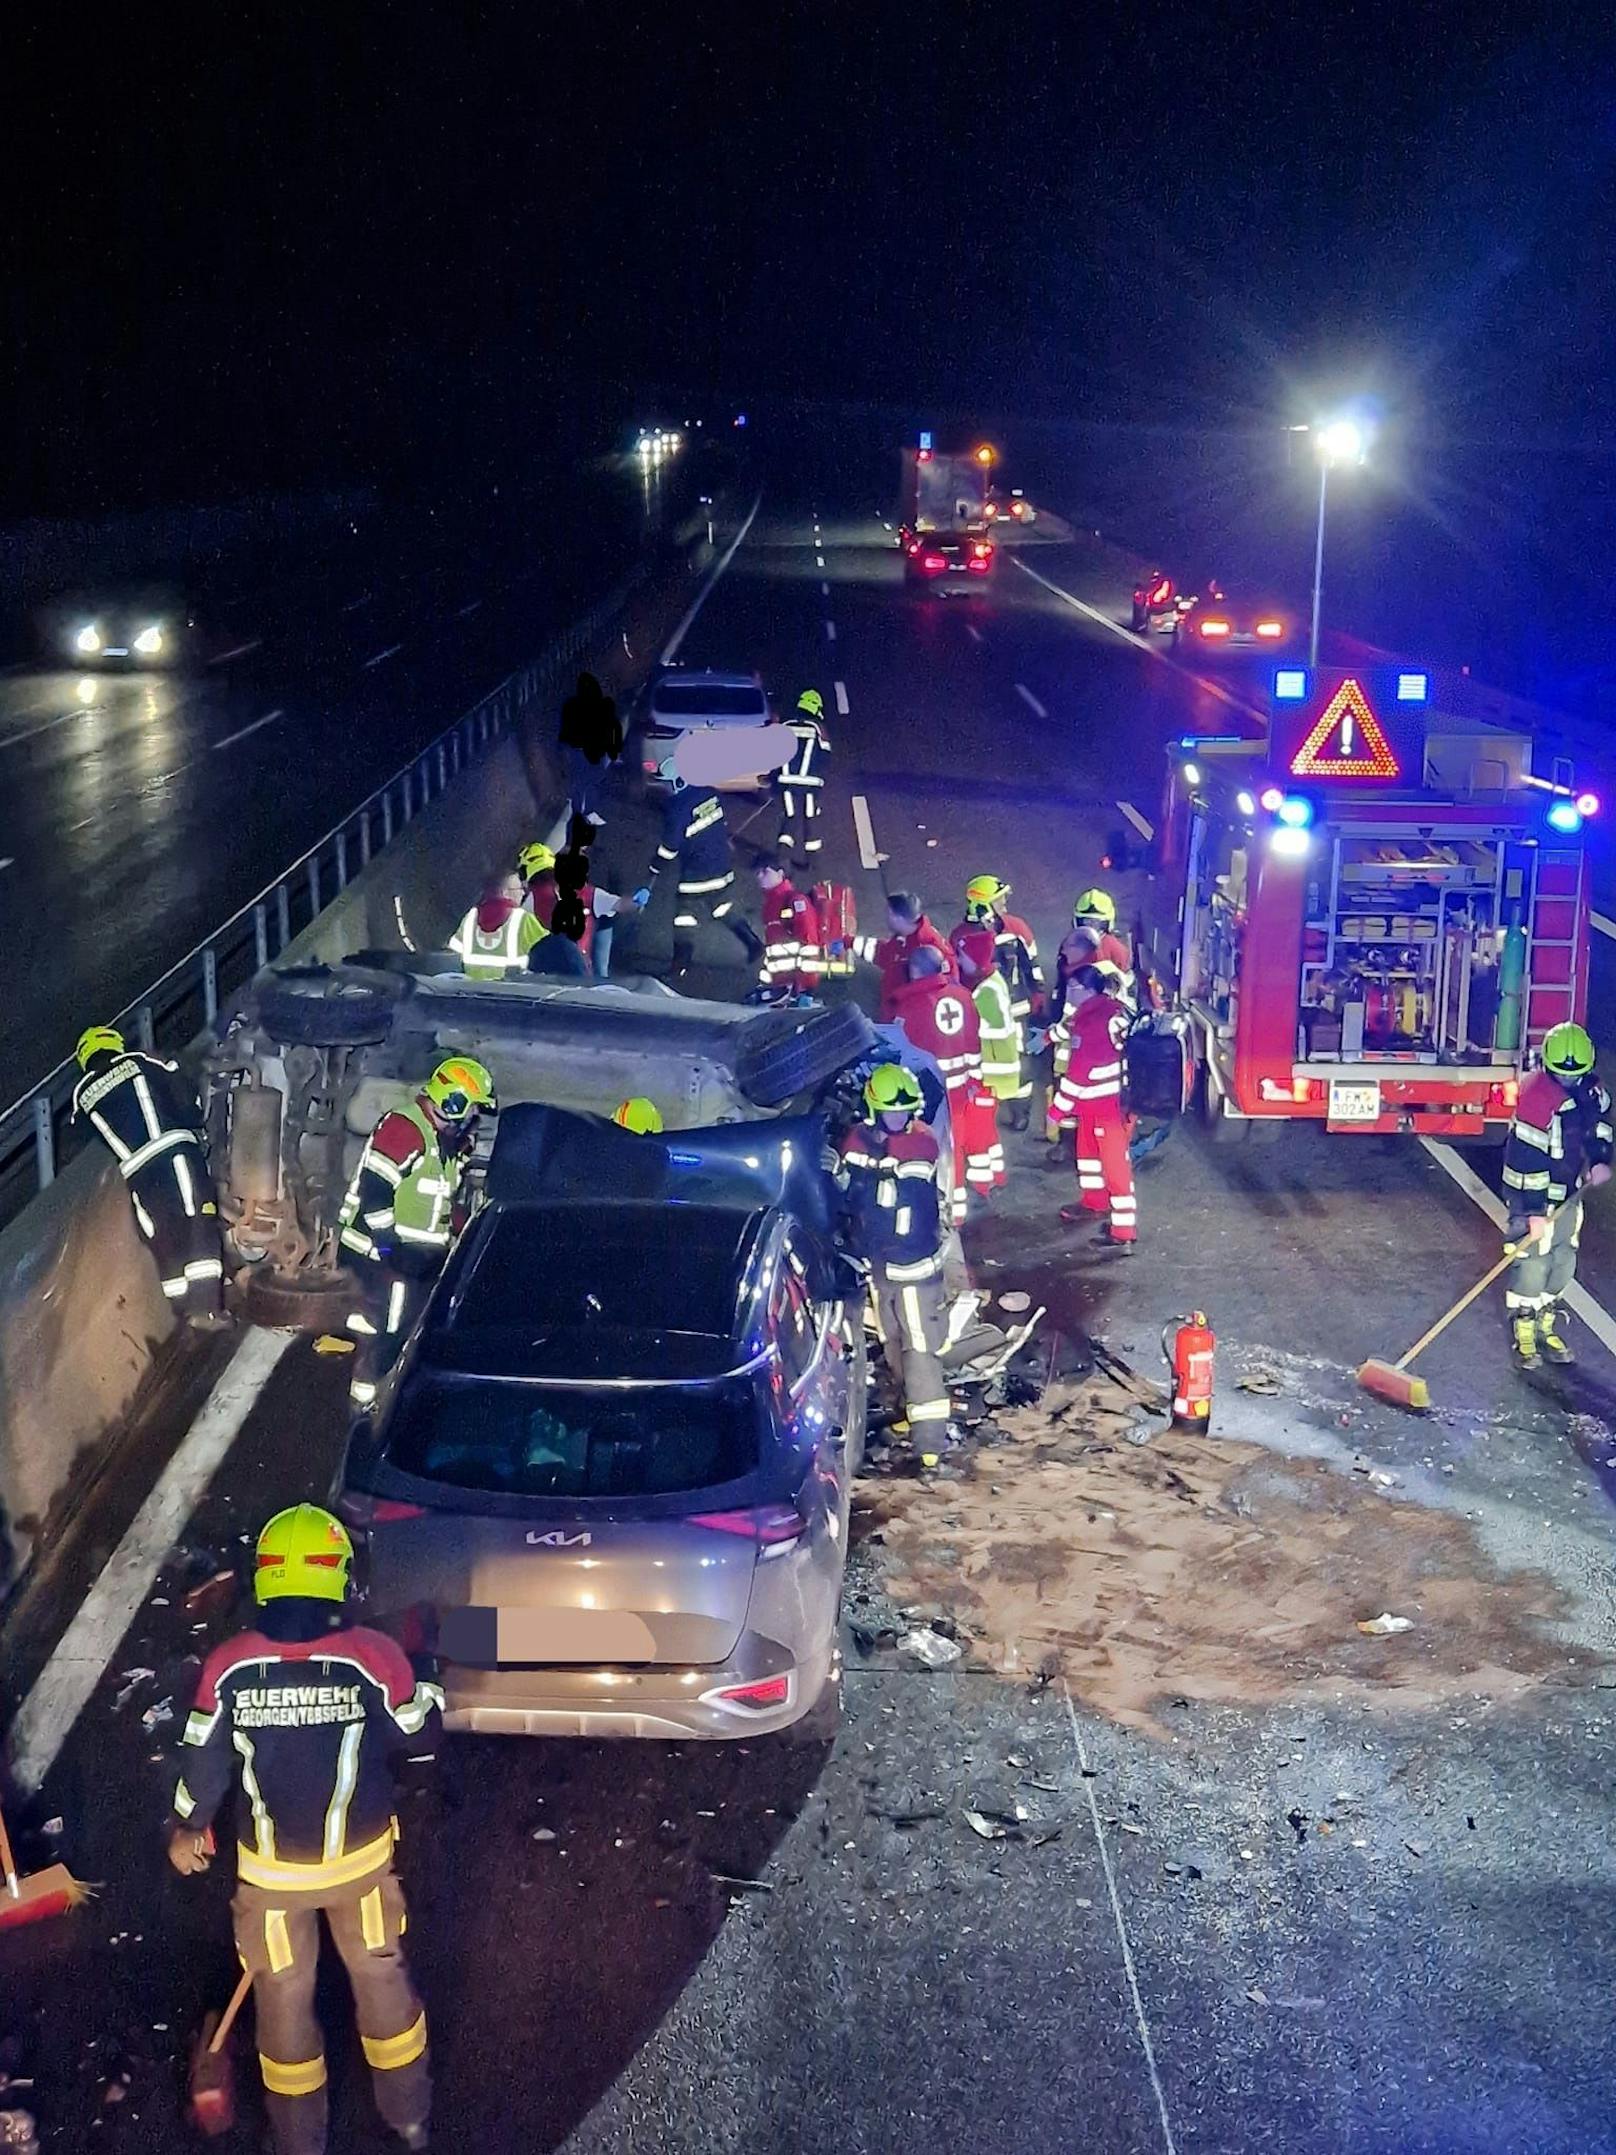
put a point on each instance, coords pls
(702, 699)
(557, 1440)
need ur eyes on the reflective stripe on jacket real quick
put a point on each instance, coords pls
(1559, 1132)
(492, 953)
(403, 1189)
(139, 1107)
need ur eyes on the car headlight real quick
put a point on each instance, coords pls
(150, 641)
(88, 639)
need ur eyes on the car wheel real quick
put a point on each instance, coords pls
(314, 1006)
(786, 1052)
(1214, 1125)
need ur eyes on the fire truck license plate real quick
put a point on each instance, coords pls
(1354, 1102)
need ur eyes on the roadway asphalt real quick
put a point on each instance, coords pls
(1281, 1886)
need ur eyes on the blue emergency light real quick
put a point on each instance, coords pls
(1290, 685)
(1295, 811)
(925, 438)
(1565, 816)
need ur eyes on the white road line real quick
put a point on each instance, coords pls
(830, 632)
(973, 632)
(864, 831)
(1603, 922)
(819, 561)
(1147, 831)
(46, 1717)
(670, 650)
(376, 657)
(223, 658)
(231, 739)
(1128, 1968)
(8, 862)
(841, 698)
(1593, 1314)
(885, 526)
(471, 609)
(1030, 700)
(824, 591)
(354, 605)
(1142, 643)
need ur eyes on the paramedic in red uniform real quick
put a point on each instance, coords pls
(939, 1018)
(793, 956)
(890, 954)
(1093, 1026)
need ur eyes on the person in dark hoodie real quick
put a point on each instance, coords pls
(591, 742)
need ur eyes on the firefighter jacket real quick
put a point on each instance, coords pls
(939, 1017)
(403, 1190)
(314, 1728)
(1000, 1037)
(1560, 1131)
(140, 1106)
(695, 835)
(890, 955)
(793, 957)
(1092, 1080)
(811, 746)
(494, 939)
(1015, 950)
(893, 1213)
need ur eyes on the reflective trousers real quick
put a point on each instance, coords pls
(800, 819)
(1539, 1278)
(278, 1938)
(1104, 1171)
(177, 1211)
(712, 896)
(389, 1301)
(911, 1321)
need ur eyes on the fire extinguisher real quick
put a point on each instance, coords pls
(1189, 1357)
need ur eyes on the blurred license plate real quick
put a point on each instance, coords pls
(1354, 1103)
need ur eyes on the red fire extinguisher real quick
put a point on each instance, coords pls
(1190, 1359)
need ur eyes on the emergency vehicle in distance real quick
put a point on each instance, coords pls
(1365, 913)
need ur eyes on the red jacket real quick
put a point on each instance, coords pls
(939, 1017)
(1093, 1080)
(891, 955)
(542, 894)
(793, 955)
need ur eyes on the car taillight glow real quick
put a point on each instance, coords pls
(361, 1510)
(1162, 593)
(913, 547)
(759, 1697)
(1213, 628)
(774, 1527)
(931, 563)
(982, 550)
(1271, 629)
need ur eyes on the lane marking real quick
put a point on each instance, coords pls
(824, 591)
(46, 1717)
(231, 739)
(471, 609)
(885, 526)
(8, 862)
(1030, 700)
(841, 698)
(973, 632)
(819, 561)
(670, 650)
(864, 830)
(1129, 1969)
(1147, 831)
(1603, 922)
(830, 632)
(1593, 1314)
(1141, 643)
(354, 605)
(380, 655)
(237, 651)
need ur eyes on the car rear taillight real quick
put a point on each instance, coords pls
(756, 1698)
(1213, 628)
(1162, 593)
(913, 547)
(931, 563)
(982, 550)
(774, 1527)
(361, 1510)
(978, 565)
(1273, 630)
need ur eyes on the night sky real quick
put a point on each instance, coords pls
(264, 245)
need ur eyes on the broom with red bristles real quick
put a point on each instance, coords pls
(1394, 1381)
(41, 1894)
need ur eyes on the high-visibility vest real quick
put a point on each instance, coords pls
(1001, 1037)
(491, 956)
(423, 1192)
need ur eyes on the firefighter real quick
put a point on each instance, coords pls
(894, 1225)
(400, 1213)
(793, 959)
(538, 867)
(313, 1713)
(640, 1115)
(695, 836)
(799, 784)
(151, 1123)
(494, 940)
(937, 1016)
(1094, 1025)
(1095, 912)
(997, 1029)
(890, 954)
(1015, 947)
(1559, 1145)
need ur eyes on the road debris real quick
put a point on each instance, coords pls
(1263, 1380)
(930, 1648)
(155, 1716)
(129, 1683)
(1385, 1625)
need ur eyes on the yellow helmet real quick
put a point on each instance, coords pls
(304, 1550)
(1568, 1052)
(1095, 905)
(640, 1115)
(534, 860)
(98, 1040)
(812, 702)
(458, 1086)
(985, 891)
(890, 1089)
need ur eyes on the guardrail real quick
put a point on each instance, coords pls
(37, 1134)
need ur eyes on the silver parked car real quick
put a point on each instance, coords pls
(610, 1477)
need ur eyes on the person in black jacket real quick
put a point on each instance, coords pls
(695, 836)
(591, 742)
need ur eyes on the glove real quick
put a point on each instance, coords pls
(642, 897)
(1598, 1176)
(837, 949)
(190, 1853)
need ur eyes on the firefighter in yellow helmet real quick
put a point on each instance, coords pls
(312, 1714)
(402, 1212)
(640, 1115)
(1015, 954)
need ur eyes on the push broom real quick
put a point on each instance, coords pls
(1391, 1380)
(31, 1899)
(213, 2072)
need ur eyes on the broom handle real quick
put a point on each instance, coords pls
(8, 1863)
(1460, 1307)
(238, 1998)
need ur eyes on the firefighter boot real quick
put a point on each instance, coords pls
(1015, 1114)
(684, 955)
(1523, 1339)
(1551, 1336)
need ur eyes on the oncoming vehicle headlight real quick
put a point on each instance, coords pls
(88, 639)
(150, 640)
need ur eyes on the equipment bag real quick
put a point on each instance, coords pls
(1154, 1066)
(838, 923)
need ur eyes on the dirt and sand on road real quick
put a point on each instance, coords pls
(1208, 1569)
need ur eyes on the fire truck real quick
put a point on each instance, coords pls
(1364, 913)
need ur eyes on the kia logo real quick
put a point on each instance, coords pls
(556, 1539)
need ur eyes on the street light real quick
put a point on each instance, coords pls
(1340, 441)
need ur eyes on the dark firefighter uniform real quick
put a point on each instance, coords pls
(150, 1121)
(1560, 1141)
(310, 1716)
(893, 1221)
(801, 781)
(695, 836)
(400, 1213)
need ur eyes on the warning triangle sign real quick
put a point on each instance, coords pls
(1347, 741)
